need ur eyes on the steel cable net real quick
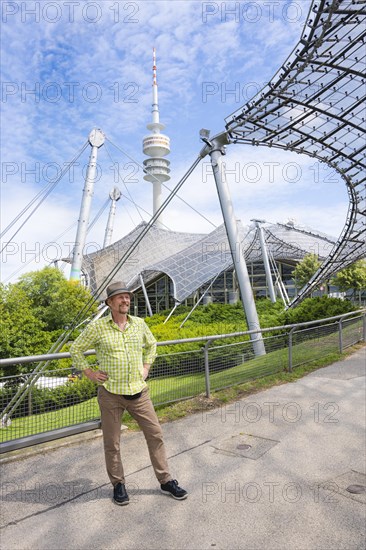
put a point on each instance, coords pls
(289, 242)
(192, 260)
(197, 265)
(157, 245)
(314, 105)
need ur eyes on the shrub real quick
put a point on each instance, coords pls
(50, 399)
(316, 308)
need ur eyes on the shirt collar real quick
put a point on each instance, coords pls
(109, 318)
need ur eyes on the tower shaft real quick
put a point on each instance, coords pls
(156, 146)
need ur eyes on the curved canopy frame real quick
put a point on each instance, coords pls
(314, 105)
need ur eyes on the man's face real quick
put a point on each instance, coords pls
(120, 303)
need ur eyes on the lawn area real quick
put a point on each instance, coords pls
(320, 351)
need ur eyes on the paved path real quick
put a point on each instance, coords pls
(267, 472)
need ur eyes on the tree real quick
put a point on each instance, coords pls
(35, 311)
(21, 332)
(55, 300)
(351, 277)
(305, 270)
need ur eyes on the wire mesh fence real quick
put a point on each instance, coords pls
(352, 331)
(310, 344)
(241, 364)
(54, 400)
(177, 376)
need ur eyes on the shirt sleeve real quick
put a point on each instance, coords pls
(149, 350)
(84, 342)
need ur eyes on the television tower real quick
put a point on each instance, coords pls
(156, 146)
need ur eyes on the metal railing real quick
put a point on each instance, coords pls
(41, 405)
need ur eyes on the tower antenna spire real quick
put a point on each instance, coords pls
(155, 103)
(154, 68)
(156, 145)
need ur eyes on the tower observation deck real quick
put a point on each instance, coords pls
(156, 146)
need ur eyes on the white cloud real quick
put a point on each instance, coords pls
(112, 59)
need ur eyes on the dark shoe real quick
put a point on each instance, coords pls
(172, 488)
(120, 495)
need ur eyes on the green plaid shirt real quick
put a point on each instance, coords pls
(121, 354)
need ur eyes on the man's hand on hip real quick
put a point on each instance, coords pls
(97, 376)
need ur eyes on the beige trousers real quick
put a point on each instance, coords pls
(112, 407)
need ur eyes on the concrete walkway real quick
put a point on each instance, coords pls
(267, 472)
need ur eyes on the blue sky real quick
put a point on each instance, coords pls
(71, 66)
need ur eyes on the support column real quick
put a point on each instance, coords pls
(96, 140)
(145, 295)
(267, 267)
(216, 151)
(114, 195)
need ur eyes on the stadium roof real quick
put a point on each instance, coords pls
(287, 241)
(192, 260)
(156, 245)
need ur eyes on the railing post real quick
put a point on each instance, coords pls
(340, 335)
(290, 349)
(364, 327)
(207, 368)
(30, 404)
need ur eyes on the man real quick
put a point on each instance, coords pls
(125, 349)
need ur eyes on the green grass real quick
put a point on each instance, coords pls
(251, 376)
(38, 423)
